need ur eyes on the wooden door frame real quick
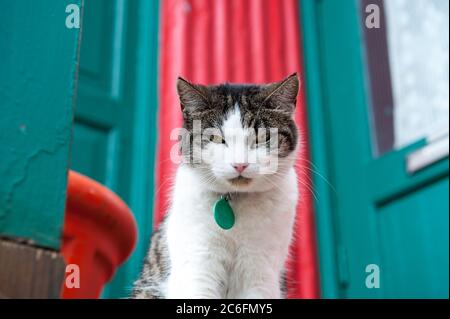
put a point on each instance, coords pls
(334, 53)
(132, 176)
(322, 24)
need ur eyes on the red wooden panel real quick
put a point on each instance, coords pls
(236, 41)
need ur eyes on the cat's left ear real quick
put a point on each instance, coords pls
(282, 95)
(193, 97)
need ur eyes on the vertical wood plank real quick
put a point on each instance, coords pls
(38, 55)
(29, 272)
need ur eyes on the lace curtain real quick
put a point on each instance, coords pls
(418, 39)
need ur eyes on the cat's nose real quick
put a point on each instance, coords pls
(239, 167)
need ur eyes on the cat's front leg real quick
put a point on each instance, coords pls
(198, 280)
(256, 277)
(260, 289)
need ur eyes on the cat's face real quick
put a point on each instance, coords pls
(239, 138)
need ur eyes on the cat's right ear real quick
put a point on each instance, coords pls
(192, 96)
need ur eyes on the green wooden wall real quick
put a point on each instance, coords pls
(38, 55)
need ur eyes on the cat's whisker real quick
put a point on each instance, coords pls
(314, 169)
(168, 179)
(207, 179)
(297, 165)
(268, 180)
(308, 187)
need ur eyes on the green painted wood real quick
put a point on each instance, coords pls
(413, 232)
(375, 213)
(115, 122)
(38, 57)
(319, 151)
(390, 178)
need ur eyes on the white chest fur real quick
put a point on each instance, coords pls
(243, 262)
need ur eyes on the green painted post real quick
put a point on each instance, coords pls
(38, 55)
(319, 150)
(338, 118)
(144, 123)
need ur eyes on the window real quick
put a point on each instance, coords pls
(408, 65)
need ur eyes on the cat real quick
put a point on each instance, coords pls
(190, 255)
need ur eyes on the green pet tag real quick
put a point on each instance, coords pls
(223, 213)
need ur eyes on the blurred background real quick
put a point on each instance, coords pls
(98, 97)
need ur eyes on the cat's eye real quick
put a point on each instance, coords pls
(217, 139)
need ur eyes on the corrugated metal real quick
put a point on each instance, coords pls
(235, 41)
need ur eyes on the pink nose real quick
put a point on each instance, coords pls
(240, 167)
